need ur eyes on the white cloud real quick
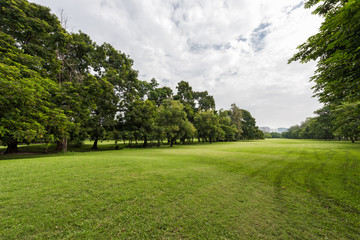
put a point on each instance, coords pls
(237, 50)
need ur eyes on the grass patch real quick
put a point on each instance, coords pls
(273, 189)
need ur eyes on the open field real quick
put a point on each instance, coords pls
(273, 189)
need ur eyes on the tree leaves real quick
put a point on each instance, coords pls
(335, 48)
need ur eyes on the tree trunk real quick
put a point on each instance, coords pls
(352, 140)
(145, 142)
(62, 145)
(171, 142)
(94, 147)
(12, 147)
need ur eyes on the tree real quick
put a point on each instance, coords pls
(293, 132)
(275, 135)
(204, 101)
(208, 125)
(236, 116)
(30, 38)
(117, 68)
(185, 95)
(102, 103)
(172, 119)
(144, 88)
(324, 123)
(267, 135)
(188, 131)
(77, 58)
(36, 31)
(258, 133)
(25, 97)
(347, 120)
(102, 82)
(337, 49)
(152, 91)
(74, 79)
(158, 95)
(229, 129)
(140, 119)
(248, 125)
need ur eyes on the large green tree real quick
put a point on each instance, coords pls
(208, 126)
(30, 38)
(26, 107)
(75, 82)
(36, 31)
(336, 47)
(172, 120)
(117, 68)
(140, 119)
(102, 103)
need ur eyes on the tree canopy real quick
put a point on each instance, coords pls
(336, 47)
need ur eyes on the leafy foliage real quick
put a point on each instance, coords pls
(337, 49)
(347, 120)
(173, 119)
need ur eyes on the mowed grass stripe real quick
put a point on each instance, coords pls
(245, 190)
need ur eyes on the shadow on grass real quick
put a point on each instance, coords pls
(38, 150)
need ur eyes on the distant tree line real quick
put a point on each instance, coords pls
(341, 122)
(60, 87)
(272, 135)
(336, 47)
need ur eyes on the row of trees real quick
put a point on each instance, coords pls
(336, 48)
(342, 122)
(57, 86)
(145, 121)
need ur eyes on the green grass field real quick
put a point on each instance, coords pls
(273, 189)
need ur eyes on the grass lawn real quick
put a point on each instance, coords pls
(272, 189)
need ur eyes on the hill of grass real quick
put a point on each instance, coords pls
(273, 189)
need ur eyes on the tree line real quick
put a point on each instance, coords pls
(60, 87)
(336, 48)
(341, 123)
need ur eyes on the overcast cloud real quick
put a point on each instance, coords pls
(235, 49)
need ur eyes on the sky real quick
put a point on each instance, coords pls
(237, 50)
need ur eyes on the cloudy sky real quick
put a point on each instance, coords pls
(237, 50)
